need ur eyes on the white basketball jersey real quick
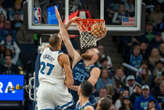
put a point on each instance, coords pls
(50, 69)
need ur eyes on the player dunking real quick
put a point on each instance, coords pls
(54, 75)
(83, 65)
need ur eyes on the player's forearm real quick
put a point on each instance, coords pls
(70, 78)
(75, 88)
(66, 40)
(69, 47)
(68, 24)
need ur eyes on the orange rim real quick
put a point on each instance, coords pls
(85, 24)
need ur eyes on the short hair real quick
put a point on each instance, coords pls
(86, 88)
(54, 39)
(105, 103)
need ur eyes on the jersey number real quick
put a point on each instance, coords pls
(44, 66)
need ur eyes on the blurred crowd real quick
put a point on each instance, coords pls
(11, 19)
(127, 89)
(115, 10)
(142, 81)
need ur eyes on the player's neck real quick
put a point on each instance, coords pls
(88, 62)
(56, 48)
(83, 100)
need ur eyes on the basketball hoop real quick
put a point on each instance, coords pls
(91, 30)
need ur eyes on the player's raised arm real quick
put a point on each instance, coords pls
(65, 36)
(65, 63)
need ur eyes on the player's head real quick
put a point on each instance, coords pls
(104, 104)
(55, 40)
(91, 54)
(85, 89)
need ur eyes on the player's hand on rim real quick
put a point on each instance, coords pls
(74, 19)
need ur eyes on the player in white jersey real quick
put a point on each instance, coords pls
(55, 75)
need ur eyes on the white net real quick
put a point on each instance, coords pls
(87, 38)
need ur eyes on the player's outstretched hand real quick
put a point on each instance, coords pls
(74, 19)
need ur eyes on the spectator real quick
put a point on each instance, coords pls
(117, 18)
(161, 25)
(141, 103)
(118, 79)
(7, 52)
(136, 57)
(126, 104)
(144, 65)
(12, 45)
(149, 35)
(159, 94)
(144, 50)
(156, 82)
(144, 77)
(102, 93)
(155, 43)
(118, 103)
(2, 17)
(111, 92)
(2, 10)
(154, 57)
(136, 93)
(104, 80)
(17, 23)
(102, 55)
(9, 30)
(151, 105)
(18, 8)
(156, 17)
(104, 104)
(104, 63)
(159, 68)
(150, 5)
(130, 83)
(9, 68)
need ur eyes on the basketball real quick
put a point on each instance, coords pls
(98, 30)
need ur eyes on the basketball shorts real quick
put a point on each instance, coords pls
(53, 96)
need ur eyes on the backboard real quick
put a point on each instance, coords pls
(120, 15)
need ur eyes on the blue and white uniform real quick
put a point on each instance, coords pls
(52, 92)
(78, 107)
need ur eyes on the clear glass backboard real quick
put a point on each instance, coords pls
(119, 15)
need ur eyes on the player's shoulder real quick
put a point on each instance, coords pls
(96, 69)
(63, 57)
(88, 108)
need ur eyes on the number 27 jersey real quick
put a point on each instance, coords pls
(50, 69)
